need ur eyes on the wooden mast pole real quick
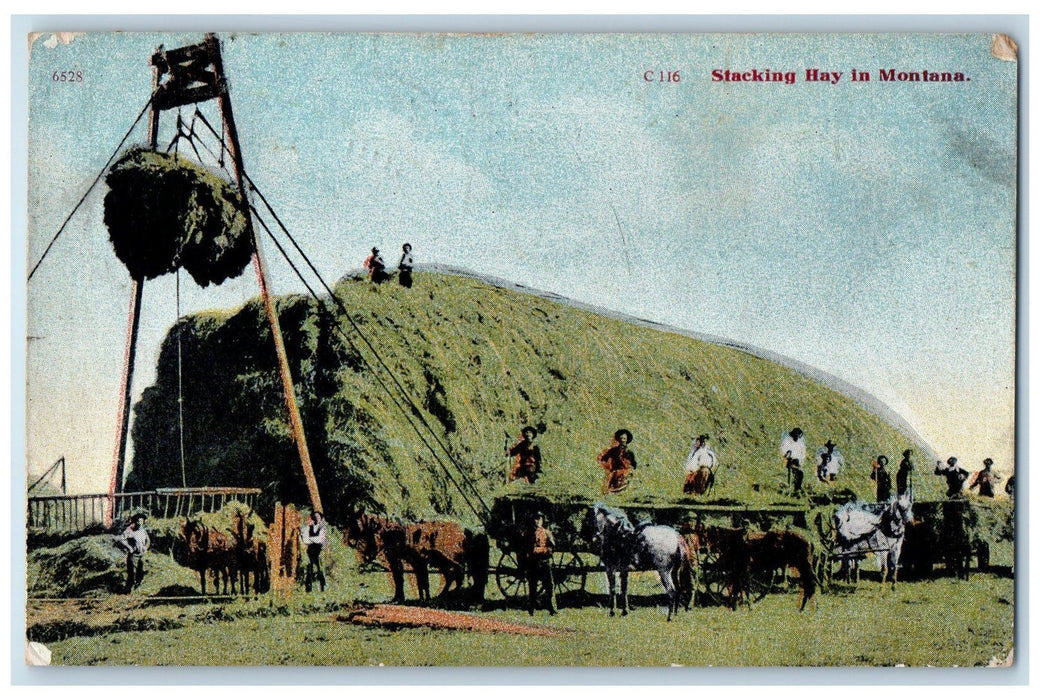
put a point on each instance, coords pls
(295, 422)
(129, 357)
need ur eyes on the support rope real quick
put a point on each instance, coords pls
(89, 189)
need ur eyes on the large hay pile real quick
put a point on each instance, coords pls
(95, 566)
(164, 212)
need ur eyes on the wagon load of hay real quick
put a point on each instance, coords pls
(164, 211)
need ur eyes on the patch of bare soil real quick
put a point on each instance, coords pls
(401, 616)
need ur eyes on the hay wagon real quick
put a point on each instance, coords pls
(576, 557)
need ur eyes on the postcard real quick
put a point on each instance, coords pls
(569, 350)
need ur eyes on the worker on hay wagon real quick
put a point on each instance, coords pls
(527, 457)
(314, 537)
(904, 475)
(985, 479)
(700, 467)
(135, 542)
(792, 448)
(955, 476)
(376, 267)
(618, 461)
(882, 478)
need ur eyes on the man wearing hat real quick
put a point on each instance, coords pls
(404, 268)
(880, 475)
(904, 477)
(376, 266)
(618, 461)
(700, 467)
(985, 479)
(828, 462)
(538, 550)
(527, 458)
(792, 448)
(135, 542)
(955, 476)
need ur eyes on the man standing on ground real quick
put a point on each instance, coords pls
(314, 537)
(135, 541)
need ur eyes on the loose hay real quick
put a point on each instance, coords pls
(400, 616)
(164, 212)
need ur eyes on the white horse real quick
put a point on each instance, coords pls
(624, 548)
(859, 531)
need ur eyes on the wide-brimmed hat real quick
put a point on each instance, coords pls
(951, 461)
(796, 433)
(529, 429)
(623, 431)
(882, 460)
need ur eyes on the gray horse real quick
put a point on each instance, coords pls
(625, 547)
(859, 531)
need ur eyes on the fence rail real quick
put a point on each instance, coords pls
(83, 510)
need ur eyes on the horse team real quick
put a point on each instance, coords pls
(236, 560)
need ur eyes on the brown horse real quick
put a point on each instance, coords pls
(780, 549)
(416, 547)
(212, 551)
(722, 553)
(251, 556)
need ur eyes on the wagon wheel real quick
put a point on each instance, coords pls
(569, 573)
(510, 577)
(711, 585)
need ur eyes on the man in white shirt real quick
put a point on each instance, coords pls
(314, 537)
(135, 542)
(700, 467)
(828, 462)
(792, 447)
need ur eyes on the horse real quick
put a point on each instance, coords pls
(727, 550)
(210, 551)
(446, 546)
(625, 547)
(251, 556)
(776, 549)
(859, 531)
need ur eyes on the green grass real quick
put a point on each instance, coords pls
(870, 627)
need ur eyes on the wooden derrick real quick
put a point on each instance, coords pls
(284, 546)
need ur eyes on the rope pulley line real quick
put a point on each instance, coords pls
(89, 189)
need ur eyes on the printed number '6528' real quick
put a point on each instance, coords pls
(67, 76)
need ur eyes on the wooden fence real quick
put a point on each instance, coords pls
(84, 510)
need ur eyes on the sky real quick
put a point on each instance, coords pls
(863, 228)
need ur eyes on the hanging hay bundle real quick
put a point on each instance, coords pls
(164, 212)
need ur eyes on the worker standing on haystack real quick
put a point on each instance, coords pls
(618, 461)
(135, 541)
(700, 467)
(314, 537)
(376, 267)
(404, 268)
(527, 464)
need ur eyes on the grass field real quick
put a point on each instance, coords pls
(943, 622)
